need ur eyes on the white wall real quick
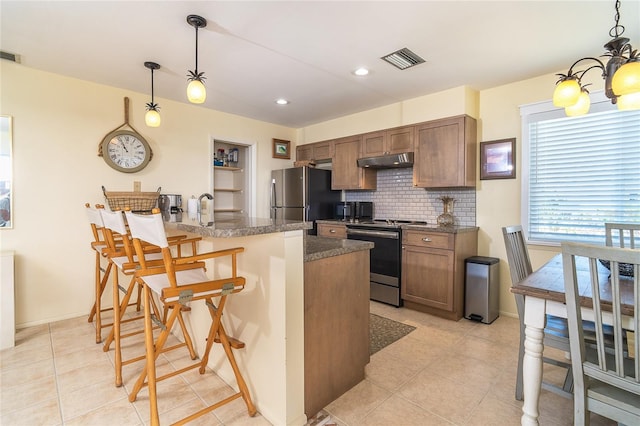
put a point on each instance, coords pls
(58, 124)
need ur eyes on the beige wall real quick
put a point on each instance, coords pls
(58, 124)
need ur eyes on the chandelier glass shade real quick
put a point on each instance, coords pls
(567, 93)
(580, 107)
(196, 92)
(627, 79)
(621, 74)
(630, 101)
(152, 116)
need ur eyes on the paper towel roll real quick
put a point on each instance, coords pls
(192, 207)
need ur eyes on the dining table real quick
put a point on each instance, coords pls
(544, 294)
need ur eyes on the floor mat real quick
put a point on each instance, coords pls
(383, 332)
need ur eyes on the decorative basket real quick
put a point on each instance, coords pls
(625, 269)
(136, 201)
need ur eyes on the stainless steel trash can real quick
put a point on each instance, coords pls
(482, 289)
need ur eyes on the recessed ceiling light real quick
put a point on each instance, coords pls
(282, 101)
(361, 72)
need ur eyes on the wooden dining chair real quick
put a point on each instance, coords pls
(556, 333)
(101, 274)
(609, 383)
(180, 283)
(622, 235)
(126, 261)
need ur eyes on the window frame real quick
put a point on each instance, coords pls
(544, 111)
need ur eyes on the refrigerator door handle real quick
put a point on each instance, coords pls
(273, 198)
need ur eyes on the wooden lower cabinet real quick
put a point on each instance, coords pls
(433, 270)
(336, 327)
(332, 231)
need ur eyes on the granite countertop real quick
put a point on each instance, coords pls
(316, 248)
(237, 227)
(428, 227)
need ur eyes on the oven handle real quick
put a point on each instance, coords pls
(369, 233)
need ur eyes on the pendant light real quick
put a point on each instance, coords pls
(196, 92)
(152, 117)
(621, 74)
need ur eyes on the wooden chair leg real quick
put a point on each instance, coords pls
(101, 284)
(123, 304)
(97, 279)
(150, 362)
(185, 333)
(217, 331)
(115, 330)
(153, 350)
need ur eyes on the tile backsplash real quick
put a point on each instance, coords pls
(397, 198)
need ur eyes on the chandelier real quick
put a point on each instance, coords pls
(621, 74)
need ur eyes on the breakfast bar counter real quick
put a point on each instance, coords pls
(267, 315)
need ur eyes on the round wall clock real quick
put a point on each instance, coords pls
(126, 151)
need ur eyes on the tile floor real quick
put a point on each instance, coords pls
(442, 373)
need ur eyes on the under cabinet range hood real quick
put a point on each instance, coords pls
(390, 161)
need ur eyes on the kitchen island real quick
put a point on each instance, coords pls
(268, 315)
(336, 318)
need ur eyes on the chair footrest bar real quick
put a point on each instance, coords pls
(106, 325)
(177, 372)
(208, 409)
(235, 343)
(124, 321)
(132, 360)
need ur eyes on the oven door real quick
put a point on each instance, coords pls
(384, 263)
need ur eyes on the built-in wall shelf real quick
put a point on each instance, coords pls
(227, 210)
(231, 190)
(227, 190)
(228, 168)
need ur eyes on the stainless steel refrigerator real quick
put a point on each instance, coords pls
(303, 193)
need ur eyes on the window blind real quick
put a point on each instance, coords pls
(582, 172)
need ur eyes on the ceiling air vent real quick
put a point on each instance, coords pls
(403, 59)
(9, 56)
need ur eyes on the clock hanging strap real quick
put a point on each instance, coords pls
(126, 123)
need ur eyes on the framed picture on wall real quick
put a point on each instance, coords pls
(497, 159)
(281, 149)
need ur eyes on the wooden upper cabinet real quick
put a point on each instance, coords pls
(346, 173)
(318, 151)
(304, 152)
(390, 141)
(445, 153)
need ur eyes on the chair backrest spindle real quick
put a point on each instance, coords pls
(611, 294)
(628, 234)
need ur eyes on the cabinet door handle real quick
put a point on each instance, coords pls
(426, 240)
(333, 231)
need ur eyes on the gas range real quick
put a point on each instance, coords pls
(385, 257)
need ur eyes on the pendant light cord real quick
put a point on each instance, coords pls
(196, 50)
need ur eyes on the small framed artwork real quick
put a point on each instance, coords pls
(281, 149)
(497, 159)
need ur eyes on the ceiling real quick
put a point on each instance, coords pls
(305, 51)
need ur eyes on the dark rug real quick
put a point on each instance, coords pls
(383, 332)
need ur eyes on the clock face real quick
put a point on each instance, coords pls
(126, 151)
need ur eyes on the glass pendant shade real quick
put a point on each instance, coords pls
(567, 93)
(626, 80)
(629, 102)
(196, 92)
(579, 108)
(152, 118)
